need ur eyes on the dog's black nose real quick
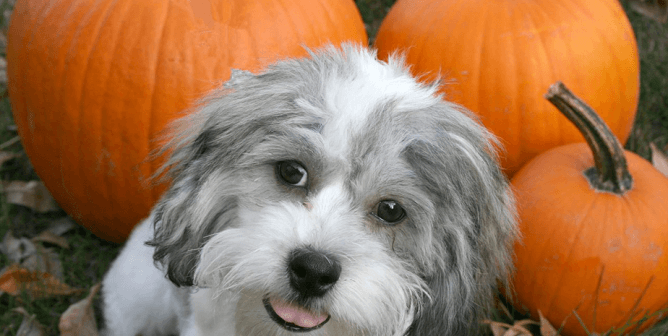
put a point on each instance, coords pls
(312, 273)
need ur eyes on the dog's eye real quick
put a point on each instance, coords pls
(292, 173)
(390, 211)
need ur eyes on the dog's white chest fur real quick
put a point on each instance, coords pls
(331, 195)
(137, 294)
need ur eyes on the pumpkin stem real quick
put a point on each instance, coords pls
(610, 172)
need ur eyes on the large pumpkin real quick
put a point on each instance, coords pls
(595, 232)
(498, 57)
(93, 84)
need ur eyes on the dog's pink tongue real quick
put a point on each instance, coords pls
(296, 315)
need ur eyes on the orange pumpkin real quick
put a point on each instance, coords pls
(93, 84)
(498, 57)
(595, 231)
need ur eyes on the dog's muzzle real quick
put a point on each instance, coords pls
(312, 274)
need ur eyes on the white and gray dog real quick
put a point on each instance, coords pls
(330, 195)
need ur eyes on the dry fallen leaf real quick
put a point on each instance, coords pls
(32, 194)
(31, 256)
(61, 225)
(6, 156)
(3, 40)
(29, 326)
(659, 159)
(3, 70)
(46, 260)
(9, 4)
(546, 329)
(13, 140)
(79, 318)
(502, 308)
(17, 249)
(51, 238)
(505, 329)
(653, 9)
(520, 327)
(37, 284)
(498, 328)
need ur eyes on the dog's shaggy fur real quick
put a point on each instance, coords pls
(331, 195)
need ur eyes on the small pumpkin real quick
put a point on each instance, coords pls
(498, 57)
(93, 84)
(595, 231)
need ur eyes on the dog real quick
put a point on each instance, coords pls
(330, 195)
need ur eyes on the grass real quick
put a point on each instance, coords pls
(651, 124)
(89, 257)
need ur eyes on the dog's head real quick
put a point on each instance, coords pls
(337, 192)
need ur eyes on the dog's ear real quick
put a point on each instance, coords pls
(191, 210)
(462, 289)
(474, 228)
(183, 221)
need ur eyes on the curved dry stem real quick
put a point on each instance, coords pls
(610, 172)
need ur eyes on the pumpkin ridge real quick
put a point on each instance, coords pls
(83, 101)
(111, 142)
(481, 60)
(524, 114)
(49, 5)
(519, 101)
(108, 141)
(581, 226)
(291, 21)
(59, 69)
(616, 63)
(77, 93)
(614, 9)
(80, 110)
(552, 61)
(151, 162)
(431, 28)
(101, 107)
(327, 12)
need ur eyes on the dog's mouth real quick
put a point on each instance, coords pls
(293, 317)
